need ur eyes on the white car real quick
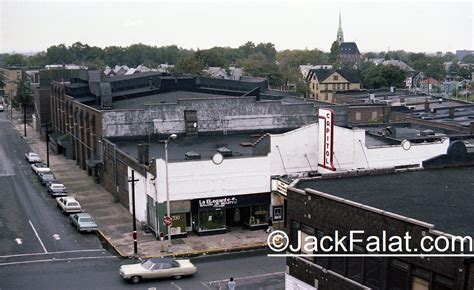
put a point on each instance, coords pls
(68, 204)
(32, 157)
(157, 268)
(40, 168)
(1, 108)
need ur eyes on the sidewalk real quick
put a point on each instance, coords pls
(115, 222)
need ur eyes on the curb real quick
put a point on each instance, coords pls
(213, 251)
(110, 245)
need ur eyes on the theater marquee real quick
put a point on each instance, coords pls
(326, 138)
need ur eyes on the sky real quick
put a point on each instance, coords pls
(417, 26)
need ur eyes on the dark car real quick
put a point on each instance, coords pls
(46, 177)
(56, 189)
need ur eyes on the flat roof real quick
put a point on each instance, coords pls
(206, 145)
(443, 197)
(161, 98)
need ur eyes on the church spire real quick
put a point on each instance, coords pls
(340, 34)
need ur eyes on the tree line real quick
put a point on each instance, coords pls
(259, 60)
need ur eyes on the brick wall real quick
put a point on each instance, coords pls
(331, 214)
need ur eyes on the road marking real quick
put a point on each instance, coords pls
(39, 239)
(204, 284)
(54, 260)
(248, 277)
(56, 237)
(174, 284)
(52, 253)
(18, 241)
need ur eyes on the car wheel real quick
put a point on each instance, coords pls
(78, 229)
(178, 277)
(136, 279)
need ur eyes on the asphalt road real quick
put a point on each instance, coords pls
(251, 270)
(30, 222)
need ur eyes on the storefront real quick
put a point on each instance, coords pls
(217, 215)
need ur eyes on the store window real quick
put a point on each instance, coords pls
(258, 214)
(211, 220)
(420, 279)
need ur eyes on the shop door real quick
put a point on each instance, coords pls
(232, 217)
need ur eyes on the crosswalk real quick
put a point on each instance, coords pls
(55, 256)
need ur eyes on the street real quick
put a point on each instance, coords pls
(39, 249)
(250, 270)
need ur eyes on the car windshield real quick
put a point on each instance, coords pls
(42, 165)
(33, 155)
(48, 176)
(72, 203)
(86, 220)
(147, 264)
(58, 186)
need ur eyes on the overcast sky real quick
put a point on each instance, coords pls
(376, 26)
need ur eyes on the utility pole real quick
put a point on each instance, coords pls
(135, 244)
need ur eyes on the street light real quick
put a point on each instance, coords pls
(168, 214)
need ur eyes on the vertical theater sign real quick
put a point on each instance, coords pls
(326, 139)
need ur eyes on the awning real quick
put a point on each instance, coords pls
(63, 140)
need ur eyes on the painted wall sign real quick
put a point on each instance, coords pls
(326, 139)
(217, 202)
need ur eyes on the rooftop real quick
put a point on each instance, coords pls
(205, 145)
(169, 97)
(443, 197)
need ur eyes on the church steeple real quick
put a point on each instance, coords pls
(340, 34)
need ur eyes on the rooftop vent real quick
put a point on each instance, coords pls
(226, 152)
(192, 155)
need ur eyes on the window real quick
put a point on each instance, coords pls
(314, 77)
(333, 87)
(442, 283)
(326, 97)
(419, 284)
(398, 275)
(126, 183)
(358, 116)
(335, 78)
(259, 214)
(326, 87)
(313, 86)
(355, 265)
(373, 273)
(374, 115)
(211, 220)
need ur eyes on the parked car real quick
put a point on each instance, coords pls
(56, 189)
(46, 177)
(1, 108)
(68, 204)
(83, 222)
(32, 157)
(157, 268)
(40, 167)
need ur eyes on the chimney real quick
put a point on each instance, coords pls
(451, 112)
(471, 128)
(143, 154)
(427, 105)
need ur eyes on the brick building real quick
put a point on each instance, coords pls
(427, 202)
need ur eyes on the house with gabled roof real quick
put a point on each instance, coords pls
(323, 83)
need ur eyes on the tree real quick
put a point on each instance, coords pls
(468, 58)
(24, 93)
(17, 60)
(379, 76)
(258, 65)
(189, 64)
(334, 54)
(58, 54)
